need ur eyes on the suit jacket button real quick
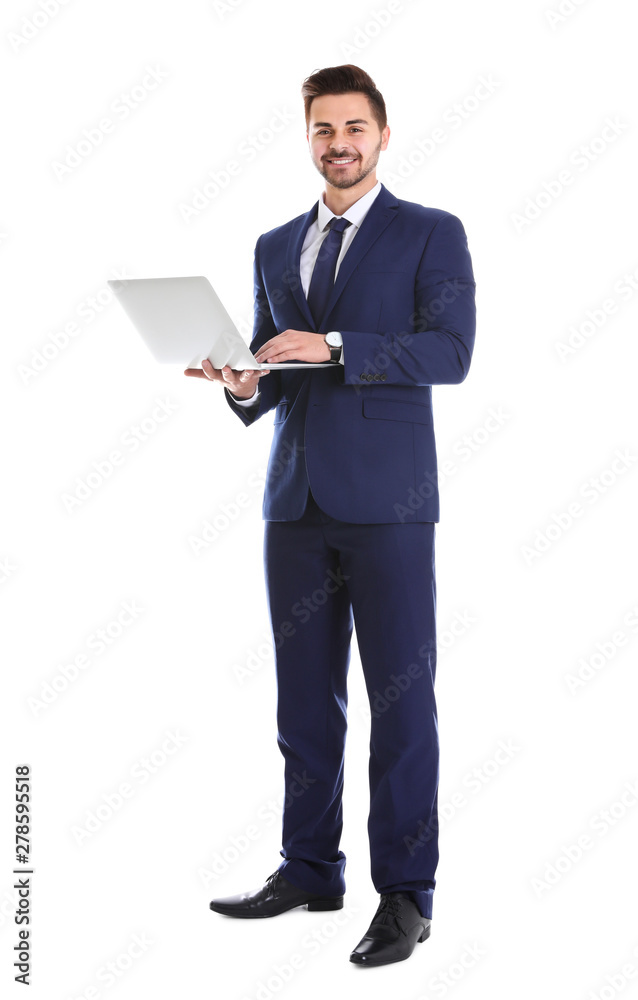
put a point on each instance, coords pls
(376, 376)
(383, 377)
(362, 376)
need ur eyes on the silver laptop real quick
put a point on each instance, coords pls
(182, 321)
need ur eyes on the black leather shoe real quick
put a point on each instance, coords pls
(395, 929)
(276, 896)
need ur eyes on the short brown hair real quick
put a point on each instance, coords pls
(344, 80)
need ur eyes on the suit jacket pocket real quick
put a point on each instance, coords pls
(393, 409)
(280, 411)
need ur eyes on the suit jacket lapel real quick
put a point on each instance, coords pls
(293, 255)
(379, 216)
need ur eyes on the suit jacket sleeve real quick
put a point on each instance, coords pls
(436, 348)
(263, 329)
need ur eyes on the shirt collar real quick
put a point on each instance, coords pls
(355, 214)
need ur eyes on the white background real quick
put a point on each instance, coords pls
(536, 598)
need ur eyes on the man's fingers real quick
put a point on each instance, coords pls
(240, 377)
(233, 379)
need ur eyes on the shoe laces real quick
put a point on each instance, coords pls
(272, 880)
(389, 908)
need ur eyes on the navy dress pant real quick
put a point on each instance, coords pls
(322, 575)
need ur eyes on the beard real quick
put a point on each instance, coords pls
(354, 175)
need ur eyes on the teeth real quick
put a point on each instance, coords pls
(343, 160)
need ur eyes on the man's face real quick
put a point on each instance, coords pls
(344, 138)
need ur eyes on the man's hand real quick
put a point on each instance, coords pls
(294, 345)
(241, 383)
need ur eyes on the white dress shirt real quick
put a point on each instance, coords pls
(317, 232)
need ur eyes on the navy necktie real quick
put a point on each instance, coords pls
(323, 274)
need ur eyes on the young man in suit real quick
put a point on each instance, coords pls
(384, 288)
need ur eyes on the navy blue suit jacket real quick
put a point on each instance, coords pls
(361, 434)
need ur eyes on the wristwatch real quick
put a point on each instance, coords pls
(335, 343)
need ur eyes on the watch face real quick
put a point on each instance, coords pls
(334, 339)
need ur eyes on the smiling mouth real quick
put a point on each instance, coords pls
(342, 160)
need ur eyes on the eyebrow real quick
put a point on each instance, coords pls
(353, 121)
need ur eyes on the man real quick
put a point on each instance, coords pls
(384, 288)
